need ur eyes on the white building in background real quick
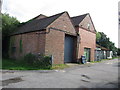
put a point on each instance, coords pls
(110, 55)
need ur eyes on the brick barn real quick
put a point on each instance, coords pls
(61, 36)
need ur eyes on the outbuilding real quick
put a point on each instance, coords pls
(54, 35)
(63, 37)
(102, 53)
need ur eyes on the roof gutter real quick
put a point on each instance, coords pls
(52, 28)
(26, 32)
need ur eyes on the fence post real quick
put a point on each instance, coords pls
(51, 60)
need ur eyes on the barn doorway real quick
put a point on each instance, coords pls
(69, 49)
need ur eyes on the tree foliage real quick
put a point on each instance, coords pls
(98, 36)
(103, 40)
(9, 25)
(118, 52)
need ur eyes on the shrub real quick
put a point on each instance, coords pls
(30, 58)
(38, 60)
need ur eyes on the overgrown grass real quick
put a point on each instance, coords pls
(59, 66)
(116, 57)
(10, 64)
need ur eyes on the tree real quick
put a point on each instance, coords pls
(9, 25)
(118, 52)
(104, 41)
(98, 36)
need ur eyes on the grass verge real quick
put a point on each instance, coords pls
(104, 60)
(59, 66)
(10, 64)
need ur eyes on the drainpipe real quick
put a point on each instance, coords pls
(52, 28)
(78, 42)
(51, 59)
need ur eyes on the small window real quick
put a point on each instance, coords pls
(20, 43)
(13, 49)
(88, 26)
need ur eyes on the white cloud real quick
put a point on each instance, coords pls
(103, 12)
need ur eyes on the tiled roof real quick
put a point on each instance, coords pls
(39, 17)
(37, 24)
(78, 19)
(103, 48)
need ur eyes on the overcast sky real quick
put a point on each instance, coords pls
(104, 13)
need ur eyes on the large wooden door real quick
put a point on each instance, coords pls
(68, 49)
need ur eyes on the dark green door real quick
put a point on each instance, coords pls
(87, 54)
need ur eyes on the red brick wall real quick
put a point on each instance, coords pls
(55, 46)
(55, 39)
(31, 42)
(87, 40)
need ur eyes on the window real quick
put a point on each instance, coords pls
(88, 26)
(20, 43)
(13, 49)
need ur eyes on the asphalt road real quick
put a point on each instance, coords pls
(97, 75)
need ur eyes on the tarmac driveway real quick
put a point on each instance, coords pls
(97, 75)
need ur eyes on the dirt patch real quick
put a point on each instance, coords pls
(85, 80)
(85, 76)
(12, 80)
(3, 72)
(113, 84)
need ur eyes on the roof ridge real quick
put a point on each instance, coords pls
(37, 17)
(42, 18)
(80, 15)
(40, 15)
(58, 14)
(51, 16)
(54, 15)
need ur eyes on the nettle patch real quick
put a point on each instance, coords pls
(12, 45)
(21, 46)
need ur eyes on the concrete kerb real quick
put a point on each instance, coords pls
(39, 71)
